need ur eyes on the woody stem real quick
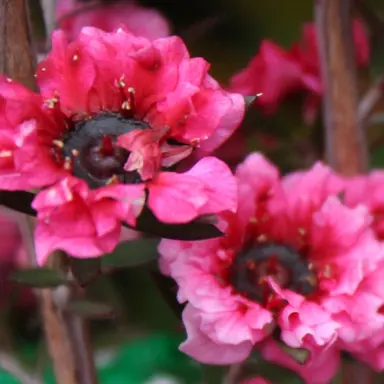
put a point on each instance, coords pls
(346, 146)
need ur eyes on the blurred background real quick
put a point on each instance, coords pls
(138, 343)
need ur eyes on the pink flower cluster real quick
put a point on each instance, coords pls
(278, 73)
(298, 265)
(117, 119)
(115, 116)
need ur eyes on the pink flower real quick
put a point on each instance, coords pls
(116, 115)
(277, 73)
(273, 72)
(292, 255)
(369, 191)
(362, 316)
(72, 15)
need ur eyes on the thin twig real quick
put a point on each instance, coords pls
(374, 22)
(9, 364)
(55, 329)
(375, 93)
(345, 139)
(49, 8)
(369, 101)
(233, 374)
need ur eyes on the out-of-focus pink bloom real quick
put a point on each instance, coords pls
(116, 115)
(12, 257)
(72, 15)
(369, 191)
(319, 368)
(256, 380)
(293, 256)
(277, 73)
(10, 238)
(273, 72)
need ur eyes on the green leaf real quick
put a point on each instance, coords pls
(85, 270)
(39, 277)
(131, 254)
(19, 201)
(90, 309)
(195, 230)
(249, 100)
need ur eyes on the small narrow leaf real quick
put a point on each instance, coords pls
(39, 278)
(19, 201)
(85, 270)
(249, 100)
(90, 309)
(207, 219)
(194, 230)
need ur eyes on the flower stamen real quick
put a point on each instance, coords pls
(251, 273)
(58, 143)
(5, 154)
(68, 163)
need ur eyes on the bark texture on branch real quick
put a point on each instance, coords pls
(344, 135)
(345, 139)
(17, 58)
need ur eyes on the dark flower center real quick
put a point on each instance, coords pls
(90, 149)
(282, 263)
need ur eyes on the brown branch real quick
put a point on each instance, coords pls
(65, 344)
(17, 59)
(56, 336)
(345, 141)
